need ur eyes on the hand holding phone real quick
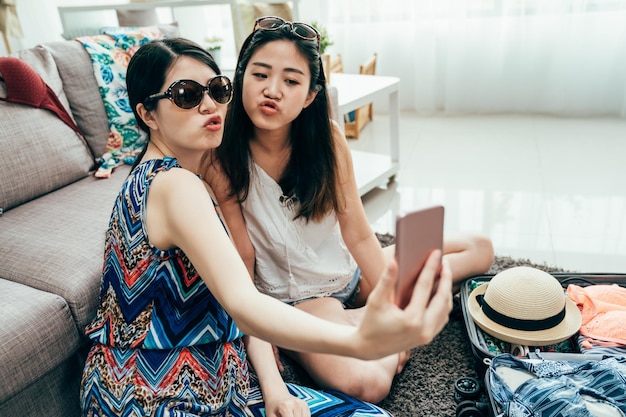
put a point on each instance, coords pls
(418, 233)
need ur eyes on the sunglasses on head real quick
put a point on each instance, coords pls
(301, 30)
(188, 94)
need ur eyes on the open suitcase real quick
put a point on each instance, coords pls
(486, 348)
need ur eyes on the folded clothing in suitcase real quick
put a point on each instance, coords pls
(546, 388)
(512, 367)
(487, 345)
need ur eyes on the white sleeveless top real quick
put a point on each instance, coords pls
(295, 260)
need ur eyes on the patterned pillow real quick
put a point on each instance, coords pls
(110, 54)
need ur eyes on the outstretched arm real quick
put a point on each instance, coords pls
(181, 214)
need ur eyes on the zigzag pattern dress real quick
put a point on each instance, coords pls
(163, 345)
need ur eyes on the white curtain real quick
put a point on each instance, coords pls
(563, 57)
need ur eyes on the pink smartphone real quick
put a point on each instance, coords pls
(418, 233)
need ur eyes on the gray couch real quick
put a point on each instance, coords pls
(54, 216)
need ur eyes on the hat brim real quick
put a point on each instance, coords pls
(568, 327)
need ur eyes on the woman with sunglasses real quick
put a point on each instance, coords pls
(284, 179)
(176, 299)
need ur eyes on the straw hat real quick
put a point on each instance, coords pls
(524, 305)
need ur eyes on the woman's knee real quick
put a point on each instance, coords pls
(483, 247)
(366, 380)
(328, 308)
(371, 385)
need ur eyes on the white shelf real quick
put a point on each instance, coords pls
(354, 91)
(70, 7)
(78, 15)
(82, 17)
(372, 170)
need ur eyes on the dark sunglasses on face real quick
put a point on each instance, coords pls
(301, 30)
(188, 94)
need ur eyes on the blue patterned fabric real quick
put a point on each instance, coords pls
(152, 299)
(163, 345)
(559, 388)
(327, 403)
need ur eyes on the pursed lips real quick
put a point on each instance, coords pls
(269, 107)
(214, 123)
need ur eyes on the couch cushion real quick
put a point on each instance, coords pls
(40, 59)
(81, 89)
(40, 153)
(37, 334)
(55, 394)
(56, 242)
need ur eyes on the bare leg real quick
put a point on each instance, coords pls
(468, 254)
(371, 380)
(367, 380)
(355, 315)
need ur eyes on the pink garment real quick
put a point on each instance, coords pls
(25, 86)
(603, 309)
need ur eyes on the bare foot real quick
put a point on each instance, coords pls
(403, 358)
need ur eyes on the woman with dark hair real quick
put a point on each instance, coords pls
(176, 299)
(284, 179)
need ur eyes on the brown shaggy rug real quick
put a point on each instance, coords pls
(426, 385)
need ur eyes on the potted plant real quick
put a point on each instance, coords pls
(325, 39)
(213, 44)
(325, 42)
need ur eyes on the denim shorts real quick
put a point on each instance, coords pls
(350, 291)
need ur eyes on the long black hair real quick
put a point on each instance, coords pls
(311, 173)
(147, 70)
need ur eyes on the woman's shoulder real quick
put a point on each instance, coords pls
(150, 167)
(342, 147)
(175, 176)
(167, 176)
(336, 130)
(339, 138)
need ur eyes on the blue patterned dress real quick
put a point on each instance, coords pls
(163, 345)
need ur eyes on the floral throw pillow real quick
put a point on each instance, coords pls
(110, 54)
